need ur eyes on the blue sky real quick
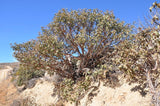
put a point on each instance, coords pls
(21, 20)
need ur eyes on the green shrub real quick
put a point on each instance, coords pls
(72, 91)
(23, 75)
(139, 56)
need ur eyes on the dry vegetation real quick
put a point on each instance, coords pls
(13, 65)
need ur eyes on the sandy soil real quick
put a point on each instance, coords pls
(121, 96)
(4, 73)
(41, 94)
(106, 96)
(8, 92)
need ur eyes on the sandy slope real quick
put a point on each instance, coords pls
(41, 94)
(106, 96)
(121, 96)
(4, 73)
(8, 92)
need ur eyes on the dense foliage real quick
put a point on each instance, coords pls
(74, 41)
(139, 56)
(24, 75)
(79, 43)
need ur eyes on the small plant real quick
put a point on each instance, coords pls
(24, 102)
(28, 102)
(23, 75)
(68, 90)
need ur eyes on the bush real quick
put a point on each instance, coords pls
(24, 102)
(139, 57)
(68, 90)
(23, 75)
(73, 41)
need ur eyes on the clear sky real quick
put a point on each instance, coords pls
(21, 20)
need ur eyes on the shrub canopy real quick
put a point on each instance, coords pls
(139, 56)
(74, 40)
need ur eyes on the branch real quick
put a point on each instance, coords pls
(150, 83)
(157, 62)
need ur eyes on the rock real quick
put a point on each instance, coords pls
(31, 83)
(21, 88)
(16, 103)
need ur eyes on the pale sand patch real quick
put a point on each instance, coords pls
(106, 96)
(4, 73)
(41, 93)
(121, 96)
(8, 92)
